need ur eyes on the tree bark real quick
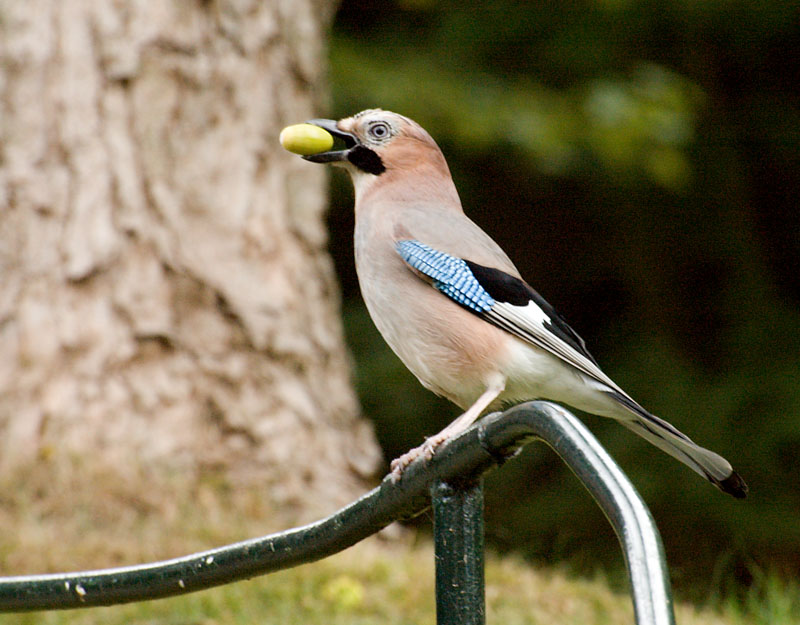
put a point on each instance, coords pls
(166, 300)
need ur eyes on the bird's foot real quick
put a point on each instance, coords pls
(426, 450)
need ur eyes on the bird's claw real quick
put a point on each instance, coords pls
(426, 450)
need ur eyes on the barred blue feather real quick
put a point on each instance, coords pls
(449, 274)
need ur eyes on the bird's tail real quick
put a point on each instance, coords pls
(711, 466)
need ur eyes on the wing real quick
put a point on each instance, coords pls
(512, 305)
(505, 301)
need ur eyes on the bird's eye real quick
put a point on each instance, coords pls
(379, 130)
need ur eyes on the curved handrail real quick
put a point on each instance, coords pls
(462, 459)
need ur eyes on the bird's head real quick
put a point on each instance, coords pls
(379, 144)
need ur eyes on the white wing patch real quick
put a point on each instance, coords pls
(530, 313)
(528, 323)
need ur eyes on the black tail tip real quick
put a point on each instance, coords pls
(733, 485)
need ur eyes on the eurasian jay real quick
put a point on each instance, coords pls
(453, 307)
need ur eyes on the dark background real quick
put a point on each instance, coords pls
(640, 163)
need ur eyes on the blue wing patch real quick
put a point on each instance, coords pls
(450, 275)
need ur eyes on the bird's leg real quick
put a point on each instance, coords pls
(456, 427)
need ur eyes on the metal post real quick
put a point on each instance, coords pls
(611, 489)
(451, 480)
(458, 542)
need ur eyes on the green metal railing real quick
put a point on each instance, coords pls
(450, 482)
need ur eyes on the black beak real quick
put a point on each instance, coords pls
(350, 141)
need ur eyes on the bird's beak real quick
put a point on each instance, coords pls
(332, 156)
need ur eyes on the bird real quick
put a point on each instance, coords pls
(454, 308)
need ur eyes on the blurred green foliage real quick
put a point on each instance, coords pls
(640, 161)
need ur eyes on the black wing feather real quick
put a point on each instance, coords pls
(506, 288)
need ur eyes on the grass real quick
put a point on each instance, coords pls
(63, 522)
(376, 582)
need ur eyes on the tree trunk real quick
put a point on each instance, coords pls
(166, 300)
